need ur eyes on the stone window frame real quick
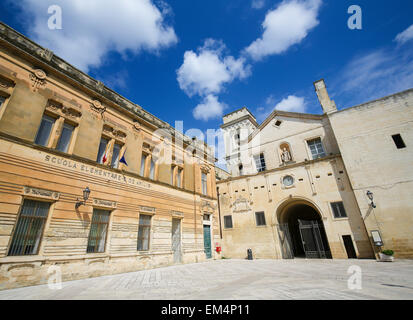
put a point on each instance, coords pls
(151, 236)
(256, 213)
(62, 115)
(174, 169)
(331, 209)
(52, 201)
(109, 150)
(109, 227)
(261, 169)
(6, 90)
(207, 172)
(147, 149)
(225, 222)
(307, 146)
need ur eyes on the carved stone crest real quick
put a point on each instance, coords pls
(97, 106)
(38, 78)
(137, 126)
(241, 205)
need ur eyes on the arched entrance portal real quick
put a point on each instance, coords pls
(302, 233)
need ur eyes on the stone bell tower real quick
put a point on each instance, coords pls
(237, 127)
(327, 104)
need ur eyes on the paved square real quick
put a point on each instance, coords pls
(240, 279)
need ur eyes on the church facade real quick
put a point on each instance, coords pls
(91, 183)
(336, 185)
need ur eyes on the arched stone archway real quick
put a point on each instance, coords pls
(301, 231)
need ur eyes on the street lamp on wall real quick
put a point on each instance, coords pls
(370, 196)
(86, 193)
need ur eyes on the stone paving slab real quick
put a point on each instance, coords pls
(239, 279)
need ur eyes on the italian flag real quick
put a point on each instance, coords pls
(105, 156)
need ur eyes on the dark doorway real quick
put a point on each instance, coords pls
(306, 234)
(348, 243)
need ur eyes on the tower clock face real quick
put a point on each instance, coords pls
(288, 181)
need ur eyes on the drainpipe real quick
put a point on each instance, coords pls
(219, 214)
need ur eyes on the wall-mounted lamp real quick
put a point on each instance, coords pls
(370, 196)
(86, 194)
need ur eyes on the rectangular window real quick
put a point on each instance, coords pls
(144, 232)
(65, 137)
(241, 169)
(43, 134)
(29, 228)
(260, 218)
(172, 175)
(228, 222)
(152, 170)
(98, 231)
(338, 210)
(316, 148)
(102, 148)
(115, 155)
(398, 141)
(2, 100)
(143, 162)
(204, 184)
(179, 178)
(260, 163)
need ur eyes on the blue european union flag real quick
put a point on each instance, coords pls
(123, 160)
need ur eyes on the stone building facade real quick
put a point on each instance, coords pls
(152, 195)
(299, 182)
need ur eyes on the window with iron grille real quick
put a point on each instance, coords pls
(228, 222)
(338, 210)
(98, 231)
(260, 218)
(260, 162)
(144, 232)
(316, 148)
(29, 228)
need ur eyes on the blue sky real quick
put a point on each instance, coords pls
(196, 60)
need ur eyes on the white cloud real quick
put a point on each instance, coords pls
(405, 36)
(286, 25)
(210, 108)
(292, 104)
(93, 28)
(257, 4)
(206, 71)
(374, 75)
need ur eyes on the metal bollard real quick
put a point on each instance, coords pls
(249, 253)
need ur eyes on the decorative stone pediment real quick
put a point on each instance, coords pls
(205, 169)
(41, 193)
(148, 148)
(114, 133)
(6, 83)
(241, 205)
(63, 110)
(177, 214)
(38, 78)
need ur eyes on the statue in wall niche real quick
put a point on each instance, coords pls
(286, 155)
